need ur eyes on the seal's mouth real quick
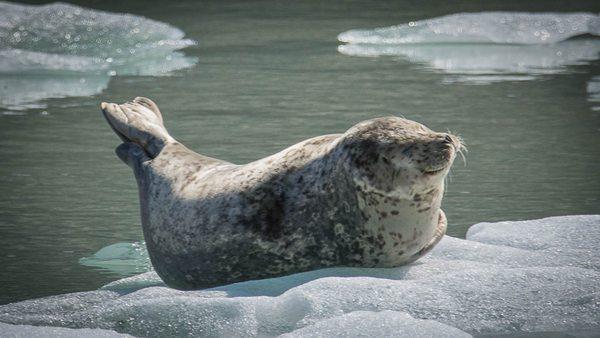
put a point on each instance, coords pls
(433, 171)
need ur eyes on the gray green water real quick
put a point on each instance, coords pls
(269, 75)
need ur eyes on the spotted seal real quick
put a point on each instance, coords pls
(369, 197)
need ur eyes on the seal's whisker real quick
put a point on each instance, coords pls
(463, 157)
(461, 149)
(446, 179)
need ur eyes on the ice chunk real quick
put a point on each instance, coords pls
(515, 278)
(377, 324)
(485, 27)
(44, 46)
(122, 258)
(134, 283)
(483, 48)
(61, 28)
(29, 331)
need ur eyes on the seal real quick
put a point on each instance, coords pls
(369, 197)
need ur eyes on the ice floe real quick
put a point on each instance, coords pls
(484, 27)
(60, 50)
(122, 258)
(525, 277)
(485, 47)
(30, 331)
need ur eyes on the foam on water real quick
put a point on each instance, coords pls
(43, 46)
(487, 47)
(506, 278)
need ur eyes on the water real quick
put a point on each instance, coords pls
(269, 75)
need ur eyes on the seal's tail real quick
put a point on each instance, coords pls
(139, 122)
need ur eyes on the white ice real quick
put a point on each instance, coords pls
(484, 47)
(527, 277)
(122, 258)
(484, 27)
(43, 46)
(29, 331)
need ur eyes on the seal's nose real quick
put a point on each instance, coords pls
(448, 139)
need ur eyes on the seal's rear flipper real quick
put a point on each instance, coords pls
(146, 102)
(138, 121)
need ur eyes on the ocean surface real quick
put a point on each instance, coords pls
(240, 80)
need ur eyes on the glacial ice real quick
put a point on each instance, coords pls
(122, 258)
(49, 48)
(377, 324)
(29, 331)
(484, 47)
(484, 27)
(525, 277)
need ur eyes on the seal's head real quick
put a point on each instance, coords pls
(398, 157)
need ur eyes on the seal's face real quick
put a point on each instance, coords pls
(395, 156)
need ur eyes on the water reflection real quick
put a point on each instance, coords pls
(593, 89)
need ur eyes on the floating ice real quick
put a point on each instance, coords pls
(44, 46)
(486, 27)
(484, 47)
(123, 258)
(529, 277)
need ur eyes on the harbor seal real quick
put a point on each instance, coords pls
(369, 197)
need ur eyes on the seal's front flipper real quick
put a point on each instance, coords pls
(140, 122)
(439, 233)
